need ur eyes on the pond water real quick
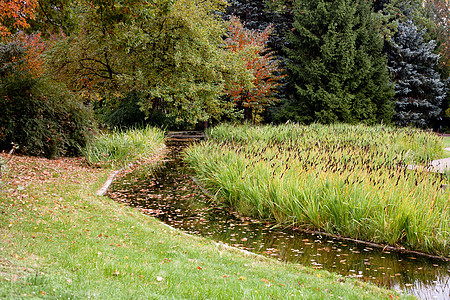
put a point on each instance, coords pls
(171, 195)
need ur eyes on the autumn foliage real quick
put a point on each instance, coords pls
(251, 45)
(34, 48)
(14, 14)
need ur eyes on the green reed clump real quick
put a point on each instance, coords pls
(122, 147)
(346, 180)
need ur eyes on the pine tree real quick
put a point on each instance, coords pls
(337, 71)
(419, 91)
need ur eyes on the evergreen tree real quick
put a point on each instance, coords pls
(337, 71)
(252, 13)
(378, 5)
(419, 90)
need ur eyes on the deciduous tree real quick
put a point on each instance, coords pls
(15, 15)
(439, 12)
(172, 51)
(251, 46)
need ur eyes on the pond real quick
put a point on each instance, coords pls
(171, 195)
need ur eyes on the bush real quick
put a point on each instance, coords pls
(43, 118)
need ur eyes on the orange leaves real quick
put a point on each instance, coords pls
(35, 47)
(251, 46)
(16, 13)
(240, 37)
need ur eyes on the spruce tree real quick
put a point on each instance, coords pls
(337, 71)
(419, 91)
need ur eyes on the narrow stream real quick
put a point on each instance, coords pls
(171, 195)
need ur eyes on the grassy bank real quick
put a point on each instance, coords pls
(342, 179)
(61, 241)
(119, 148)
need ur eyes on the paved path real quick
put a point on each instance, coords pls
(440, 165)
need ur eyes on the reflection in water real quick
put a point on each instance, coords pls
(172, 196)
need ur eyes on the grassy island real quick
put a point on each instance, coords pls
(352, 181)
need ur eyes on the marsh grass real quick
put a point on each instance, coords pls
(122, 147)
(346, 180)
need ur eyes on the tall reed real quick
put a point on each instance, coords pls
(119, 148)
(346, 180)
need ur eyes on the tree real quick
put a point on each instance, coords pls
(419, 90)
(15, 15)
(54, 16)
(337, 72)
(393, 12)
(259, 14)
(439, 12)
(251, 46)
(171, 51)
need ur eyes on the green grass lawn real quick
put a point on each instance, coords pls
(61, 241)
(447, 145)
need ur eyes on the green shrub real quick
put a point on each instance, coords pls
(42, 117)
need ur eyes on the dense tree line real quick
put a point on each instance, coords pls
(179, 63)
(314, 40)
